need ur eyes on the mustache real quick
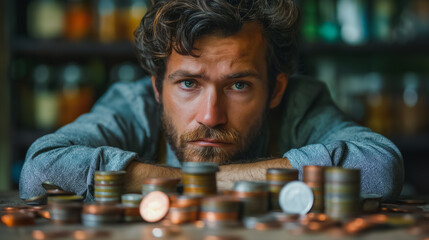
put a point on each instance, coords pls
(219, 133)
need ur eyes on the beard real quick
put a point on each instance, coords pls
(245, 150)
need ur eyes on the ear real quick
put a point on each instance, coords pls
(279, 89)
(155, 89)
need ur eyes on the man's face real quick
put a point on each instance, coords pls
(214, 105)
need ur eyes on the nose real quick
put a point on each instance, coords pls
(212, 110)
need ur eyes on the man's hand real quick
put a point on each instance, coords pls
(248, 171)
(137, 172)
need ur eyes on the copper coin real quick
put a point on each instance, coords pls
(17, 219)
(313, 173)
(223, 237)
(411, 201)
(49, 185)
(58, 192)
(101, 209)
(161, 181)
(9, 209)
(154, 206)
(250, 194)
(37, 200)
(185, 201)
(263, 226)
(39, 234)
(218, 216)
(90, 234)
(177, 217)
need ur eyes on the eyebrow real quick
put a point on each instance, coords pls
(183, 73)
(242, 75)
(186, 74)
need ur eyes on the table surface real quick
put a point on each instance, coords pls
(189, 231)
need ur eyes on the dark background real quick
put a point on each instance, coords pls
(373, 55)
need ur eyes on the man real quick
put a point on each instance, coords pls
(220, 70)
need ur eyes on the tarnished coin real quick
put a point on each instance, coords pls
(37, 200)
(154, 206)
(296, 198)
(47, 185)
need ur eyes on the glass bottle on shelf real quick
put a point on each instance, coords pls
(382, 19)
(309, 21)
(328, 27)
(379, 115)
(137, 10)
(45, 19)
(75, 98)
(45, 98)
(106, 20)
(78, 20)
(413, 108)
(352, 21)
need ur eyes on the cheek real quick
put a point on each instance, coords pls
(244, 116)
(178, 111)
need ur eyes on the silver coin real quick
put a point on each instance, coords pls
(296, 198)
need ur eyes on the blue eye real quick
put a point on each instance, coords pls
(239, 86)
(187, 84)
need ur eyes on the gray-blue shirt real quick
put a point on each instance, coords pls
(124, 125)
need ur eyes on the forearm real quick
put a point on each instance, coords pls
(137, 172)
(255, 171)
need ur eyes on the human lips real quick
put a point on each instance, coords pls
(209, 142)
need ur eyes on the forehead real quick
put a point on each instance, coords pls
(246, 46)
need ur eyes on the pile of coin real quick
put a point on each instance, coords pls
(220, 212)
(184, 209)
(94, 215)
(166, 185)
(277, 178)
(314, 177)
(199, 178)
(342, 191)
(65, 209)
(131, 204)
(14, 216)
(254, 196)
(109, 186)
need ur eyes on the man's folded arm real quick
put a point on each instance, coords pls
(324, 136)
(108, 138)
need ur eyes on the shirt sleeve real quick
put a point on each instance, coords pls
(318, 133)
(107, 139)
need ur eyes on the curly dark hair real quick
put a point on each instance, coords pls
(177, 24)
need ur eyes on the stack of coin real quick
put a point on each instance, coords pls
(277, 178)
(254, 196)
(199, 178)
(342, 190)
(184, 209)
(65, 209)
(314, 177)
(94, 215)
(220, 211)
(109, 186)
(131, 203)
(166, 185)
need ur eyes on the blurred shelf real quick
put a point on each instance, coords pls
(63, 49)
(417, 47)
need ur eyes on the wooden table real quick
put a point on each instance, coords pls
(190, 231)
